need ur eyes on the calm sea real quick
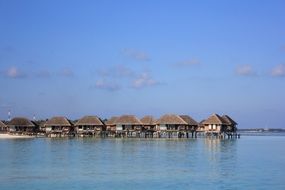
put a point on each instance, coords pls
(252, 162)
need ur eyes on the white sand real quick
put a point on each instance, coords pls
(8, 136)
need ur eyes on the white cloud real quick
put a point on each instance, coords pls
(106, 85)
(245, 70)
(111, 77)
(136, 54)
(143, 80)
(278, 71)
(14, 72)
(114, 78)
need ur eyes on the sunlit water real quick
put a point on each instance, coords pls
(252, 162)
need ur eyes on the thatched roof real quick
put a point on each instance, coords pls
(128, 120)
(40, 122)
(171, 119)
(189, 120)
(2, 125)
(228, 120)
(21, 122)
(214, 119)
(58, 121)
(148, 120)
(89, 120)
(200, 124)
(111, 121)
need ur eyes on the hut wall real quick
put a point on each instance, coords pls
(218, 127)
(22, 129)
(201, 128)
(84, 127)
(213, 127)
(138, 128)
(149, 127)
(12, 128)
(231, 128)
(184, 127)
(78, 129)
(172, 127)
(207, 127)
(111, 128)
(3, 129)
(48, 129)
(128, 127)
(119, 127)
(67, 129)
(192, 127)
(156, 127)
(162, 127)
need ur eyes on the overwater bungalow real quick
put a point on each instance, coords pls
(231, 125)
(89, 126)
(111, 125)
(3, 127)
(59, 127)
(128, 125)
(201, 126)
(22, 126)
(149, 125)
(41, 125)
(214, 124)
(171, 125)
(192, 125)
(219, 126)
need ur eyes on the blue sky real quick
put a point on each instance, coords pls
(105, 58)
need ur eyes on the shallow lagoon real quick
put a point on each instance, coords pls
(252, 162)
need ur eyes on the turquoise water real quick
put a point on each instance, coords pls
(252, 162)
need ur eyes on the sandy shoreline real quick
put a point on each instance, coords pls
(8, 136)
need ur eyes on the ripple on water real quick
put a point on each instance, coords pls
(246, 163)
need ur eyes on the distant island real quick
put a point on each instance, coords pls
(272, 130)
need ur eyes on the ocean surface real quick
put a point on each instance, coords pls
(252, 162)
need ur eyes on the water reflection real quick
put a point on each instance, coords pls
(89, 163)
(222, 159)
(215, 144)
